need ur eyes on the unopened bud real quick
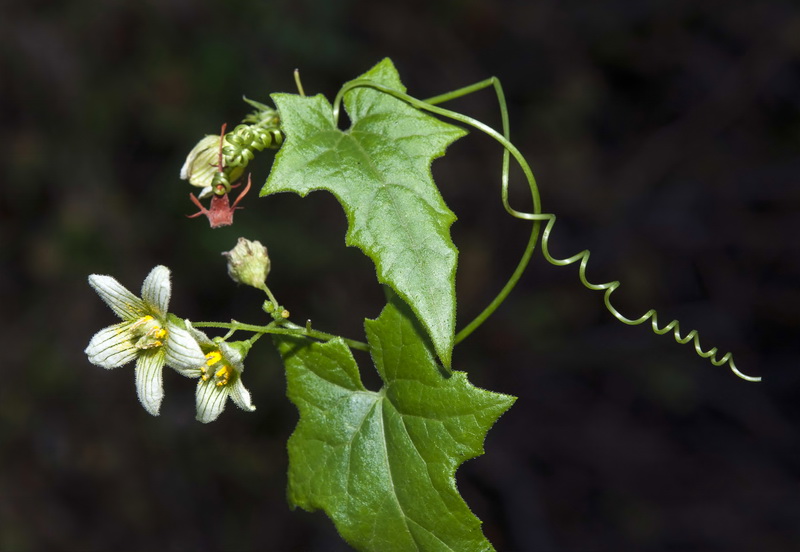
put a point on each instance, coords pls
(248, 263)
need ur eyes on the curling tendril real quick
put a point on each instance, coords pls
(537, 217)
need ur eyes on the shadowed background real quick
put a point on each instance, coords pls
(664, 135)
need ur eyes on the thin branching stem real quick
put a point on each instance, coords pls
(281, 328)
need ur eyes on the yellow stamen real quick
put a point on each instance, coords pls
(213, 357)
(147, 333)
(223, 375)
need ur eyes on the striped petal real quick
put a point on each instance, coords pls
(241, 396)
(232, 355)
(156, 290)
(198, 335)
(183, 352)
(113, 346)
(124, 303)
(210, 400)
(149, 380)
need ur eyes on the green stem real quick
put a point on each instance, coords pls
(529, 249)
(461, 92)
(324, 336)
(512, 281)
(271, 297)
(284, 328)
(298, 83)
(253, 339)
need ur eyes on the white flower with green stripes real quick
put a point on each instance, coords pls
(147, 334)
(220, 376)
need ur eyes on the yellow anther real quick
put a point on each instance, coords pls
(161, 333)
(213, 357)
(284, 313)
(222, 372)
(223, 375)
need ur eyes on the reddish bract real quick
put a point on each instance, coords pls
(220, 212)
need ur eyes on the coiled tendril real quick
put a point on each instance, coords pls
(537, 217)
(259, 130)
(244, 140)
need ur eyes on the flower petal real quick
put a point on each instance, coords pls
(124, 303)
(156, 290)
(241, 396)
(210, 400)
(112, 346)
(149, 381)
(198, 335)
(183, 352)
(232, 355)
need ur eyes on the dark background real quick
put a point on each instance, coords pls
(664, 134)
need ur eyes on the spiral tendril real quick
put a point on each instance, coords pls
(652, 314)
(537, 217)
(258, 131)
(244, 140)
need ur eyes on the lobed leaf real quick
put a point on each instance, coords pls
(379, 170)
(382, 464)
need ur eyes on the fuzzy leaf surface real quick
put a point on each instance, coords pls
(382, 464)
(379, 170)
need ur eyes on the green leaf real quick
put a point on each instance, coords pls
(379, 170)
(382, 464)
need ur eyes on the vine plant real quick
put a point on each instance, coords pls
(381, 464)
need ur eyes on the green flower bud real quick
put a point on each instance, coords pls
(248, 263)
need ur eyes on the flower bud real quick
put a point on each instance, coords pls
(248, 263)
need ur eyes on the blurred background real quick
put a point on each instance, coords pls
(664, 135)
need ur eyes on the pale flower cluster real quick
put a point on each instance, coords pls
(154, 338)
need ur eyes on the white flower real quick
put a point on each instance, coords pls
(147, 334)
(220, 376)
